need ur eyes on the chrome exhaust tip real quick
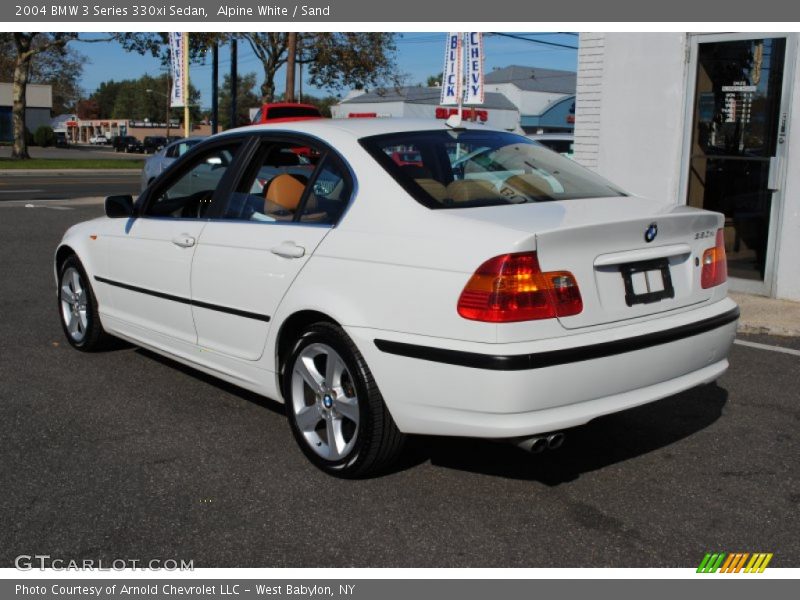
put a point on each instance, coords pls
(555, 441)
(534, 445)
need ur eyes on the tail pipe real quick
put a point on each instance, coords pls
(539, 443)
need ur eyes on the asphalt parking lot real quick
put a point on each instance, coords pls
(24, 187)
(127, 455)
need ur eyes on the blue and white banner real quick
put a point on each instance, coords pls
(452, 78)
(178, 71)
(474, 94)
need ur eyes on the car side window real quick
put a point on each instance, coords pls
(275, 184)
(328, 196)
(290, 182)
(178, 149)
(188, 194)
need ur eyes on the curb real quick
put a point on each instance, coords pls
(21, 172)
(767, 316)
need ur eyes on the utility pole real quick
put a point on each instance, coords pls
(214, 88)
(291, 57)
(300, 54)
(234, 82)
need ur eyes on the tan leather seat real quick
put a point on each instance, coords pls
(467, 190)
(436, 190)
(284, 191)
(528, 185)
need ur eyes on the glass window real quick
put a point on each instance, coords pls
(467, 168)
(328, 197)
(291, 182)
(737, 110)
(189, 195)
(177, 150)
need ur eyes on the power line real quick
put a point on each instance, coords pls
(533, 41)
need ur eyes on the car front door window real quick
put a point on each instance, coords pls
(189, 194)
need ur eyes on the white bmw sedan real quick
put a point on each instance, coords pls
(509, 295)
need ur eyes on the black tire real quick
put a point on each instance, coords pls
(378, 442)
(94, 337)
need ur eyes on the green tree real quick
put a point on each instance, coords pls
(335, 60)
(25, 48)
(246, 98)
(142, 98)
(60, 68)
(434, 80)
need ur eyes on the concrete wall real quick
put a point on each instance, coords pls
(502, 119)
(788, 248)
(383, 109)
(36, 117)
(630, 110)
(36, 95)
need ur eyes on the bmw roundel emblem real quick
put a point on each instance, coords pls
(651, 232)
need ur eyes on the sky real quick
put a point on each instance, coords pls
(419, 54)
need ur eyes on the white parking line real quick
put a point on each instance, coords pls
(758, 346)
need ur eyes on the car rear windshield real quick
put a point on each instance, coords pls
(287, 112)
(463, 168)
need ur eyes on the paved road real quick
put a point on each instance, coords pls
(44, 186)
(127, 455)
(75, 151)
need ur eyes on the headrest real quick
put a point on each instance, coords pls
(285, 190)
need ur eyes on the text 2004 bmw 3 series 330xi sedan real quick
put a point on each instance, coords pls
(487, 288)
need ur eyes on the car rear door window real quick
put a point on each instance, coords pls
(291, 182)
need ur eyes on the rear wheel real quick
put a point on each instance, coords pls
(335, 408)
(78, 308)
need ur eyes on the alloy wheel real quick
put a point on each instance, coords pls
(324, 402)
(74, 304)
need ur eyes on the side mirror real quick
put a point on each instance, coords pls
(119, 207)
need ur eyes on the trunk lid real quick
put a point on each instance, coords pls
(602, 242)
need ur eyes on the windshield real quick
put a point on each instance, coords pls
(286, 112)
(467, 168)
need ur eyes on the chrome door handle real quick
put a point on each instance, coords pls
(288, 250)
(184, 241)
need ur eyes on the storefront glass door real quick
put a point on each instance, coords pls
(738, 127)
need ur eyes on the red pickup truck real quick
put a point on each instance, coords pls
(281, 112)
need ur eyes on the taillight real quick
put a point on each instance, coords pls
(715, 264)
(512, 288)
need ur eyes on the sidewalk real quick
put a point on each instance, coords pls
(768, 315)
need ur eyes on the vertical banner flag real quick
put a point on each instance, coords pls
(178, 71)
(451, 74)
(474, 92)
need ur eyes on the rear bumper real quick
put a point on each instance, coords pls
(448, 387)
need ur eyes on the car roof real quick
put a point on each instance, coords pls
(357, 127)
(193, 139)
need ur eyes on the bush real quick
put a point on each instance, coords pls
(28, 137)
(44, 136)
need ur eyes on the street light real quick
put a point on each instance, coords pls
(167, 96)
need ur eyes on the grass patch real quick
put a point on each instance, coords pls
(71, 163)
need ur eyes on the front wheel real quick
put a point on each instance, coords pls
(335, 408)
(78, 308)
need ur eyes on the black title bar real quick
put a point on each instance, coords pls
(364, 11)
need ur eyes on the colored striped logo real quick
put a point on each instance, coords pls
(720, 562)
